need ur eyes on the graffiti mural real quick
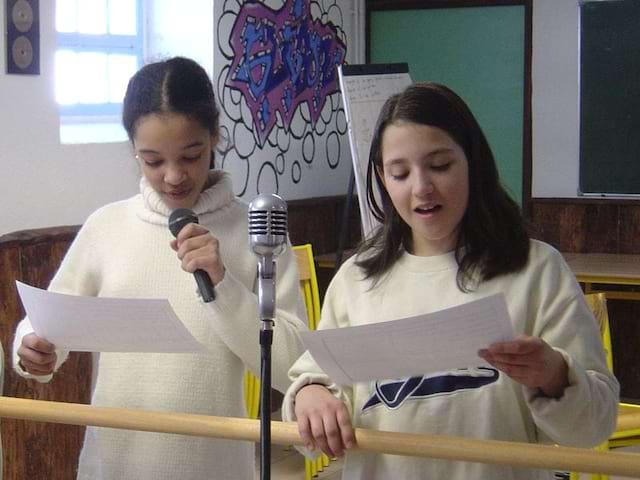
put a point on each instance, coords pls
(282, 59)
(278, 89)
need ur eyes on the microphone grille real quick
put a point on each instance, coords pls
(267, 222)
(268, 215)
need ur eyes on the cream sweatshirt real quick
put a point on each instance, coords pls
(479, 402)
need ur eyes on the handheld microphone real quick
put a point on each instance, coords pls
(267, 239)
(178, 219)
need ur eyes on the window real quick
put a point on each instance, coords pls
(99, 49)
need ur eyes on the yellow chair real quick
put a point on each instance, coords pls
(598, 304)
(310, 292)
(621, 437)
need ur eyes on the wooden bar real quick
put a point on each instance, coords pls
(449, 448)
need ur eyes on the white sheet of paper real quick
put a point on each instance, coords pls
(92, 324)
(445, 340)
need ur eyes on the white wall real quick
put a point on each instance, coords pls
(43, 183)
(556, 98)
(180, 28)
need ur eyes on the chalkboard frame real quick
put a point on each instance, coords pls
(380, 5)
(609, 100)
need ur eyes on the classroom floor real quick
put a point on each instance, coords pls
(288, 464)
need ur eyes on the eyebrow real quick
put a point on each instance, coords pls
(186, 147)
(433, 153)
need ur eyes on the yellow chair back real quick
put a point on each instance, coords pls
(598, 304)
(620, 438)
(311, 295)
(308, 283)
(623, 436)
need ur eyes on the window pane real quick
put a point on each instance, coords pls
(122, 17)
(66, 15)
(92, 87)
(66, 76)
(121, 69)
(92, 16)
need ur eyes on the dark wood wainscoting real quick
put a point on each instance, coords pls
(587, 226)
(600, 226)
(35, 450)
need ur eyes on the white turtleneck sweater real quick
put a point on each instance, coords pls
(123, 251)
(543, 300)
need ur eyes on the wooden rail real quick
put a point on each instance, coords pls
(450, 448)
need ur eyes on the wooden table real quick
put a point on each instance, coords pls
(617, 275)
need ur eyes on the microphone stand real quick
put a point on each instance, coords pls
(267, 306)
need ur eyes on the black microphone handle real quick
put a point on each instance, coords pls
(204, 285)
(179, 219)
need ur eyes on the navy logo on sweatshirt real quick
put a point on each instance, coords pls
(393, 393)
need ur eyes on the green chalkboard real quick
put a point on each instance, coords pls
(477, 51)
(610, 97)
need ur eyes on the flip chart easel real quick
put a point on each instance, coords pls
(364, 89)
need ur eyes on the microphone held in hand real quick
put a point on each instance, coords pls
(178, 219)
(267, 239)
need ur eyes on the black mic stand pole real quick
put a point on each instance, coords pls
(267, 306)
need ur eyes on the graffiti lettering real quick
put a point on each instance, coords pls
(283, 59)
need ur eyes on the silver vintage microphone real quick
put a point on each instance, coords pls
(267, 239)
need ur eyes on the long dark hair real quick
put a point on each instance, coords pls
(176, 85)
(493, 239)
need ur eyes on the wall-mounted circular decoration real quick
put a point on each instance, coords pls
(23, 37)
(22, 52)
(22, 16)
